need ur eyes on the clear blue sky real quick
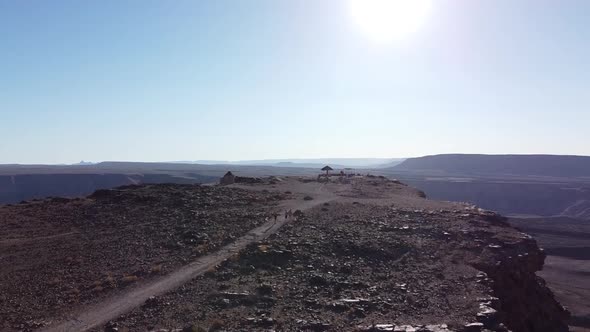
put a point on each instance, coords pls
(229, 80)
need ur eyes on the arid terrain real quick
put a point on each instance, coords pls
(361, 254)
(57, 254)
(26, 182)
(545, 196)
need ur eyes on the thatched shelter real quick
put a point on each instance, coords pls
(327, 169)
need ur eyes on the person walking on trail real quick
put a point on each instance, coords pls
(275, 216)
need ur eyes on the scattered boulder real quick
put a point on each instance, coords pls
(248, 180)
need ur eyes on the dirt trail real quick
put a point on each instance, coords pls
(33, 239)
(95, 315)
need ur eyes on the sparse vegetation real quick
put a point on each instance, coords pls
(97, 289)
(155, 269)
(110, 281)
(211, 271)
(54, 282)
(216, 325)
(128, 279)
(194, 328)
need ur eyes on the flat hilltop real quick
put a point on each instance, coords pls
(523, 165)
(361, 253)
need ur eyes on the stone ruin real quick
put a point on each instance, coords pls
(227, 179)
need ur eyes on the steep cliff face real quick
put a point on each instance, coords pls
(521, 300)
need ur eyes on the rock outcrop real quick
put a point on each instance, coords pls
(522, 300)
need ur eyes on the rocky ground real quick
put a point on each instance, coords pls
(366, 254)
(58, 254)
(369, 262)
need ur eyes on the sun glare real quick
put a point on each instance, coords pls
(385, 21)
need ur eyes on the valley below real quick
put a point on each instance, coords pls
(567, 267)
(553, 210)
(545, 196)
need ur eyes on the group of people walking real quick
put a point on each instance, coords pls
(288, 215)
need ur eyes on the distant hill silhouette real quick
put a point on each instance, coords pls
(310, 163)
(535, 165)
(15, 188)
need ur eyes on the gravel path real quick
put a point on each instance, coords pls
(98, 314)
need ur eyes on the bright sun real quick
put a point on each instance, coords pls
(385, 21)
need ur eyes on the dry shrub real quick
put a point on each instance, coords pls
(74, 292)
(211, 271)
(110, 281)
(216, 325)
(129, 279)
(156, 268)
(194, 328)
(202, 248)
(54, 282)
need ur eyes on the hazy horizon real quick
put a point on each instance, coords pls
(213, 162)
(349, 162)
(265, 79)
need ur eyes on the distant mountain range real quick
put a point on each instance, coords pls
(477, 164)
(310, 163)
(82, 163)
